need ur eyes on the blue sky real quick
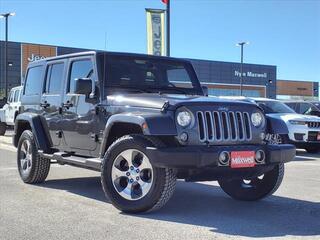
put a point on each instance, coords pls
(283, 33)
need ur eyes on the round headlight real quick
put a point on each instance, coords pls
(257, 119)
(184, 118)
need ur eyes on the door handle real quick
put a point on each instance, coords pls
(45, 104)
(67, 105)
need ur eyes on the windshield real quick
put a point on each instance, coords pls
(274, 107)
(148, 74)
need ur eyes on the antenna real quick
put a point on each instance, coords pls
(105, 41)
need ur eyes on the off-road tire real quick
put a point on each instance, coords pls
(312, 149)
(40, 166)
(259, 189)
(164, 179)
(3, 128)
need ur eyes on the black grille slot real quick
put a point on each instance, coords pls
(247, 125)
(209, 125)
(217, 125)
(233, 125)
(240, 125)
(201, 126)
(229, 126)
(225, 125)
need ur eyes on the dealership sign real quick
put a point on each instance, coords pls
(155, 31)
(34, 57)
(34, 52)
(250, 74)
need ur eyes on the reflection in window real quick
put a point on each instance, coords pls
(80, 69)
(54, 78)
(234, 92)
(33, 81)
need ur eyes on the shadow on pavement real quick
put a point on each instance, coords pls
(207, 206)
(302, 155)
(89, 187)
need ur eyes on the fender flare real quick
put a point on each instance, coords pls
(276, 126)
(37, 123)
(150, 124)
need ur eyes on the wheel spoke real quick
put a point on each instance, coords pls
(23, 164)
(116, 173)
(127, 155)
(128, 190)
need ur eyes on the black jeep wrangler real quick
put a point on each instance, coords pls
(143, 121)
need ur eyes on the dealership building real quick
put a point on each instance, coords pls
(222, 78)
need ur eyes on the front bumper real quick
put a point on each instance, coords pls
(207, 157)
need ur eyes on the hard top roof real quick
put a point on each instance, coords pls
(87, 53)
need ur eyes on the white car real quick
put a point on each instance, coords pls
(10, 110)
(304, 130)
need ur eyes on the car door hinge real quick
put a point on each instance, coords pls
(59, 134)
(95, 137)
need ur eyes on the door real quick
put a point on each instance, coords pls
(51, 99)
(15, 105)
(9, 111)
(79, 120)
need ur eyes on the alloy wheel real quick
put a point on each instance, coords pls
(132, 174)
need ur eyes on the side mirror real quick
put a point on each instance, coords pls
(205, 90)
(83, 86)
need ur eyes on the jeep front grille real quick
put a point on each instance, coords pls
(223, 126)
(313, 124)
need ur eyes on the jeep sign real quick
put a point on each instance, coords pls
(155, 31)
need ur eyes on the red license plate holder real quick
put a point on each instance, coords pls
(242, 159)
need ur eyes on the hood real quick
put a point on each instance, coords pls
(153, 100)
(294, 116)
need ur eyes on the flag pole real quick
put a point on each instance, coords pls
(168, 27)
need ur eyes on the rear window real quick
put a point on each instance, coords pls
(33, 83)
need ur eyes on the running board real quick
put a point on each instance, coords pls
(65, 158)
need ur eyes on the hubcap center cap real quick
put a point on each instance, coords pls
(134, 172)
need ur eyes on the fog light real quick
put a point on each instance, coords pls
(262, 136)
(260, 156)
(184, 137)
(224, 158)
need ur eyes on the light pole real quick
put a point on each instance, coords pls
(241, 44)
(6, 17)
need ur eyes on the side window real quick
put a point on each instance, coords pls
(20, 93)
(33, 83)
(305, 108)
(54, 78)
(16, 96)
(293, 106)
(11, 95)
(80, 69)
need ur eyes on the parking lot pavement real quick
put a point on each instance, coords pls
(71, 205)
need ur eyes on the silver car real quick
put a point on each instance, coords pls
(304, 130)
